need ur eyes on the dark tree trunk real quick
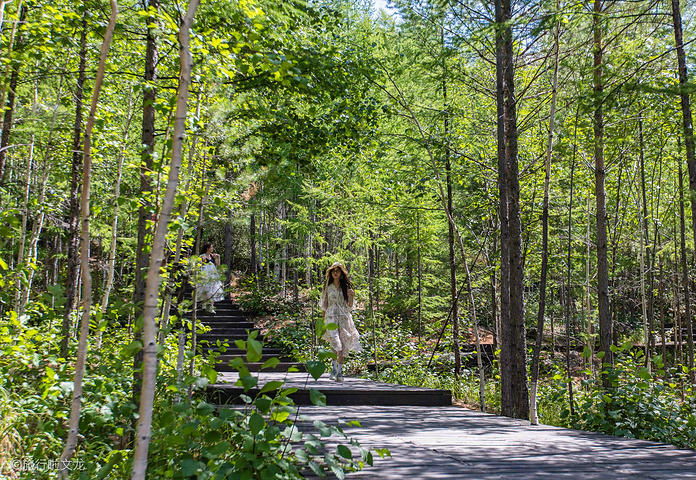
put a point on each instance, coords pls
(142, 254)
(515, 388)
(685, 275)
(11, 96)
(252, 245)
(228, 248)
(605, 322)
(452, 256)
(75, 180)
(650, 341)
(503, 333)
(690, 154)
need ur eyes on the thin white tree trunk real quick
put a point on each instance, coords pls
(533, 416)
(111, 265)
(23, 232)
(3, 3)
(74, 422)
(588, 297)
(147, 397)
(180, 236)
(39, 220)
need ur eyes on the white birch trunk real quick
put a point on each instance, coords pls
(71, 443)
(39, 220)
(180, 236)
(147, 397)
(23, 232)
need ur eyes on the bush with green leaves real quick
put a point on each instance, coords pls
(191, 437)
(654, 405)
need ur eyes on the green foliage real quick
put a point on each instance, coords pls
(190, 438)
(656, 405)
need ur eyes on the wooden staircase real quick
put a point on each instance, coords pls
(229, 323)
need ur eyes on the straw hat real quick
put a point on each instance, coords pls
(334, 265)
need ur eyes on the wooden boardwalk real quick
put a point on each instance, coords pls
(430, 439)
(456, 443)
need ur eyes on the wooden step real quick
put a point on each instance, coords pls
(353, 391)
(238, 352)
(215, 326)
(282, 366)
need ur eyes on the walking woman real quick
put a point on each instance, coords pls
(209, 285)
(337, 301)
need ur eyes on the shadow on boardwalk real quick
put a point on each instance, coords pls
(455, 443)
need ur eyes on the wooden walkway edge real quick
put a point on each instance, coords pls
(456, 443)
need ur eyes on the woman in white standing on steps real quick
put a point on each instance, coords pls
(209, 289)
(337, 301)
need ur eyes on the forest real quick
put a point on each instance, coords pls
(511, 185)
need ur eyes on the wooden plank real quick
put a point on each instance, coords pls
(353, 391)
(455, 443)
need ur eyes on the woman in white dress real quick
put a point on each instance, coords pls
(337, 301)
(209, 288)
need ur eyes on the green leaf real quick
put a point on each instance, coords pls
(344, 451)
(220, 448)
(601, 354)
(338, 471)
(318, 398)
(316, 368)
(383, 452)
(249, 382)
(326, 355)
(587, 352)
(264, 404)
(270, 363)
(253, 350)
(256, 423)
(271, 386)
(189, 467)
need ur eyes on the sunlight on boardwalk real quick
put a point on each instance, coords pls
(455, 443)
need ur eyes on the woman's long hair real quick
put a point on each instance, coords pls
(344, 282)
(205, 247)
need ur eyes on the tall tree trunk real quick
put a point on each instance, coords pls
(71, 443)
(690, 153)
(685, 276)
(516, 384)
(452, 257)
(545, 237)
(649, 309)
(12, 94)
(19, 308)
(111, 263)
(252, 244)
(3, 4)
(661, 300)
(370, 275)
(153, 275)
(73, 221)
(588, 301)
(39, 219)
(145, 212)
(171, 281)
(504, 334)
(420, 278)
(605, 321)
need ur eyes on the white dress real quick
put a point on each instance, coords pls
(209, 286)
(346, 337)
